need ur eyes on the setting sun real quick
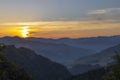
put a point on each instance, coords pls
(25, 31)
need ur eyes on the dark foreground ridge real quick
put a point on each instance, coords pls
(9, 71)
(39, 67)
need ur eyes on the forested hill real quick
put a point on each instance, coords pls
(9, 71)
(38, 66)
(107, 73)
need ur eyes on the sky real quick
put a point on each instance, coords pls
(59, 18)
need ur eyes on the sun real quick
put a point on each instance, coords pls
(25, 32)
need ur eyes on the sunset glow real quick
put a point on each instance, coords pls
(60, 29)
(49, 19)
(25, 32)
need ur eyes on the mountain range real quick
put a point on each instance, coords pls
(61, 53)
(95, 44)
(64, 50)
(78, 55)
(102, 59)
(39, 67)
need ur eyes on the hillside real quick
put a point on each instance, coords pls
(9, 71)
(39, 67)
(110, 72)
(82, 68)
(103, 58)
(61, 53)
(96, 74)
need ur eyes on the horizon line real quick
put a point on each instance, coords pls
(58, 38)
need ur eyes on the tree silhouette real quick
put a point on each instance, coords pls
(9, 71)
(114, 73)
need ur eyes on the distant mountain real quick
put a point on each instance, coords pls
(57, 52)
(85, 64)
(110, 72)
(77, 54)
(64, 50)
(103, 58)
(96, 44)
(39, 67)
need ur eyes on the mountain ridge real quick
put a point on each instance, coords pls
(37, 66)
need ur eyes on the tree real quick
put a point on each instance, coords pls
(114, 73)
(2, 46)
(9, 71)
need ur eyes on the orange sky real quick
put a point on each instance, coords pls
(59, 18)
(60, 29)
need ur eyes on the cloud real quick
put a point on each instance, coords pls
(97, 12)
(57, 29)
(105, 11)
(109, 14)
